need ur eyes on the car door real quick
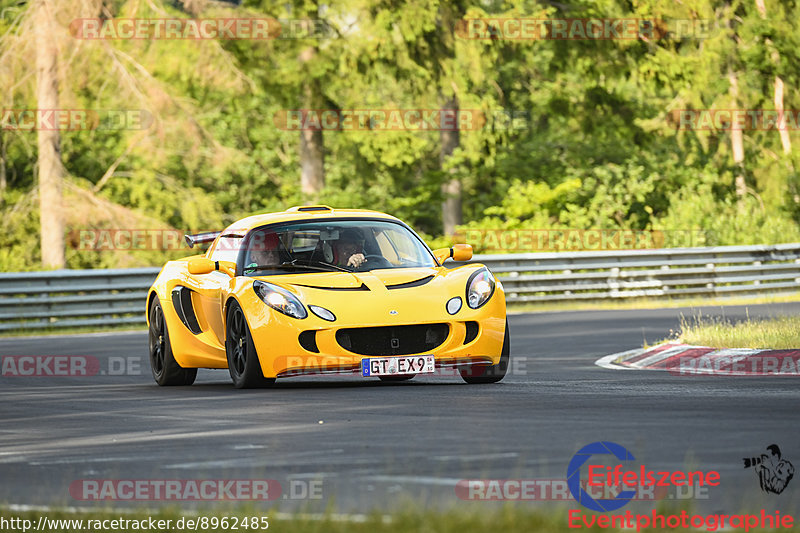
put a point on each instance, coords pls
(209, 289)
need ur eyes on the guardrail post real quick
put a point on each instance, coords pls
(712, 287)
(613, 282)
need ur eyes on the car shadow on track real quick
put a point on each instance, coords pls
(331, 384)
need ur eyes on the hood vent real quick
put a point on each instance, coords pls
(363, 287)
(409, 284)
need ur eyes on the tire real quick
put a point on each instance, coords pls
(166, 371)
(396, 379)
(243, 363)
(479, 374)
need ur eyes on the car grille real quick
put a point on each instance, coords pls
(472, 332)
(308, 340)
(393, 340)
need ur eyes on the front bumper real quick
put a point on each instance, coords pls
(458, 349)
(281, 353)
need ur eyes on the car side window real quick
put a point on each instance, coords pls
(226, 249)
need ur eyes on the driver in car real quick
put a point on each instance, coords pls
(349, 249)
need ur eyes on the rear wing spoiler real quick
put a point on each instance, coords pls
(201, 238)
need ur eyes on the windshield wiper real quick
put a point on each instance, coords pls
(284, 266)
(295, 265)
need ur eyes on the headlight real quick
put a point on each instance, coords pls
(453, 305)
(480, 288)
(280, 299)
(323, 313)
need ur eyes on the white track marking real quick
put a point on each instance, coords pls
(608, 361)
(421, 480)
(285, 459)
(655, 358)
(479, 457)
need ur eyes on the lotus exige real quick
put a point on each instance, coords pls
(319, 290)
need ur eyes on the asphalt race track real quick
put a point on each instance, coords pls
(365, 445)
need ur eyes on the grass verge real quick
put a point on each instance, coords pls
(651, 303)
(779, 333)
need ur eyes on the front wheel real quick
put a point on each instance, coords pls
(166, 370)
(243, 363)
(477, 374)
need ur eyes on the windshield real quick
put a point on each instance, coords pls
(339, 245)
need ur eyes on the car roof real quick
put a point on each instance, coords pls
(302, 213)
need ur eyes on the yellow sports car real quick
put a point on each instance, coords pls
(316, 290)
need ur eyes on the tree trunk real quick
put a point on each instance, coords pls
(51, 170)
(786, 141)
(3, 155)
(312, 161)
(449, 13)
(312, 148)
(451, 188)
(737, 142)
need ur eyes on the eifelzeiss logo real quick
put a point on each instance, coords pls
(574, 476)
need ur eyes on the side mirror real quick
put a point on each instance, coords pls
(204, 265)
(459, 252)
(201, 265)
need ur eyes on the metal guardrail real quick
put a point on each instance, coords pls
(669, 272)
(89, 298)
(74, 298)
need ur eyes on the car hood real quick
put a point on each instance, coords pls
(394, 278)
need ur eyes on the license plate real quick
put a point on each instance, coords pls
(392, 366)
